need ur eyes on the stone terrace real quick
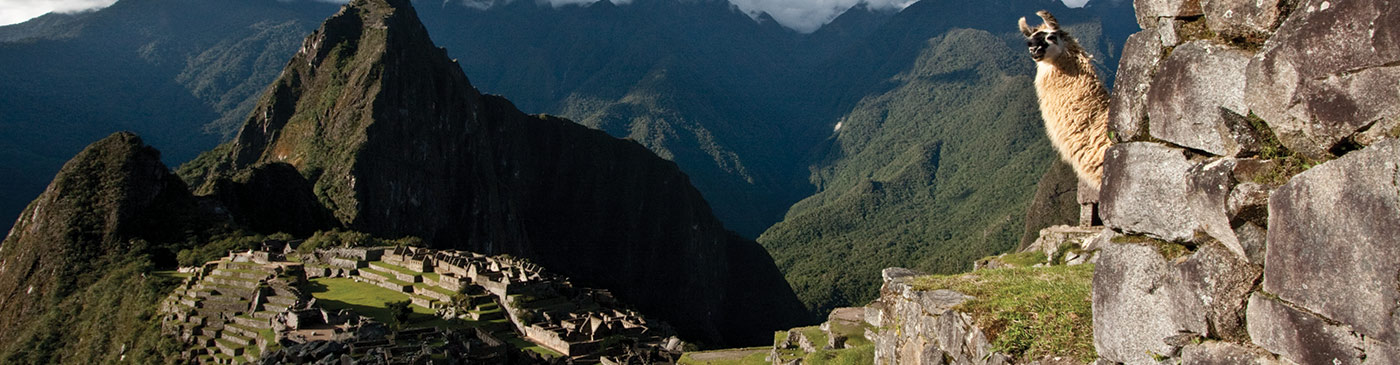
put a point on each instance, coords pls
(226, 309)
(544, 308)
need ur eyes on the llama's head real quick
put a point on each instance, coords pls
(1046, 41)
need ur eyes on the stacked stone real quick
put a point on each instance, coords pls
(1217, 252)
(226, 307)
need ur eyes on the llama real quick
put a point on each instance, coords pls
(1073, 101)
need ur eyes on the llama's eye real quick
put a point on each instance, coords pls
(1030, 43)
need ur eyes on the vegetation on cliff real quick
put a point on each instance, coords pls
(1029, 312)
(78, 283)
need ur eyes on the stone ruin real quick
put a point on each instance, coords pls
(544, 308)
(228, 308)
(248, 305)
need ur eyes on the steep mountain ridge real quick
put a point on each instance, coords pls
(689, 80)
(76, 253)
(183, 74)
(394, 141)
(744, 107)
(933, 167)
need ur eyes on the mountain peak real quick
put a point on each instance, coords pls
(384, 134)
(105, 205)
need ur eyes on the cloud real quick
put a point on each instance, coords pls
(807, 15)
(1076, 3)
(15, 11)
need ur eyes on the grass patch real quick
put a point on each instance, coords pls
(814, 334)
(855, 333)
(1028, 313)
(369, 300)
(363, 298)
(1023, 259)
(723, 357)
(396, 268)
(1169, 250)
(854, 355)
(442, 291)
(387, 276)
(172, 274)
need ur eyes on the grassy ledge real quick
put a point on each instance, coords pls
(1028, 313)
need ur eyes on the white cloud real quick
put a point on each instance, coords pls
(1076, 3)
(16, 11)
(807, 15)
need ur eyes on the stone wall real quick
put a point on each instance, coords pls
(1254, 195)
(916, 327)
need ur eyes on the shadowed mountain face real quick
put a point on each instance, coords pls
(183, 74)
(935, 104)
(73, 259)
(933, 165)
(393, 140)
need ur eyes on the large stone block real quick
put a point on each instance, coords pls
(1332, 241)
(1225, 353)
(1149, 12)
(1221, 282)
(1241, 18)
(1300, 336)
(1197, 99)
(1135, 308)
(1329, 72)
(1144, 191)
(1157, 190)
(1144, 302)
(1127, 107)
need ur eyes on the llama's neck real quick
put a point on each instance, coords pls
(1070, 73)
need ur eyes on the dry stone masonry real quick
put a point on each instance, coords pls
(239, 308)
(1253, 202)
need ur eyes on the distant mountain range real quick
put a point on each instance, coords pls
(371, 127)
(938, 150)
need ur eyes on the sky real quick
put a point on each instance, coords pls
(801, 15)
(15, 11)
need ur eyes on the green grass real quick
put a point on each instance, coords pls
(442, 291)
(363, 298)
(172, 274)
(1022, 259)
(397, 268)
(387, 276)
(1028, 313)
(855, 333)
(369, 300)
(854, 355)
(750, 359)
(1169, 250)
(814, 334)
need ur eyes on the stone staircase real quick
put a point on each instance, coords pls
(225, 310)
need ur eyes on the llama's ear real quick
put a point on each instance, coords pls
(1050, 21)
(1025, 29)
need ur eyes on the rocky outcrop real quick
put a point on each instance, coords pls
(1197, 98)
(394, 141)
(1249, 19)
(1328, 76)
(1254, 220)
(1054, 203)
(1127, 107)
(921, 327)
(1332, 241)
